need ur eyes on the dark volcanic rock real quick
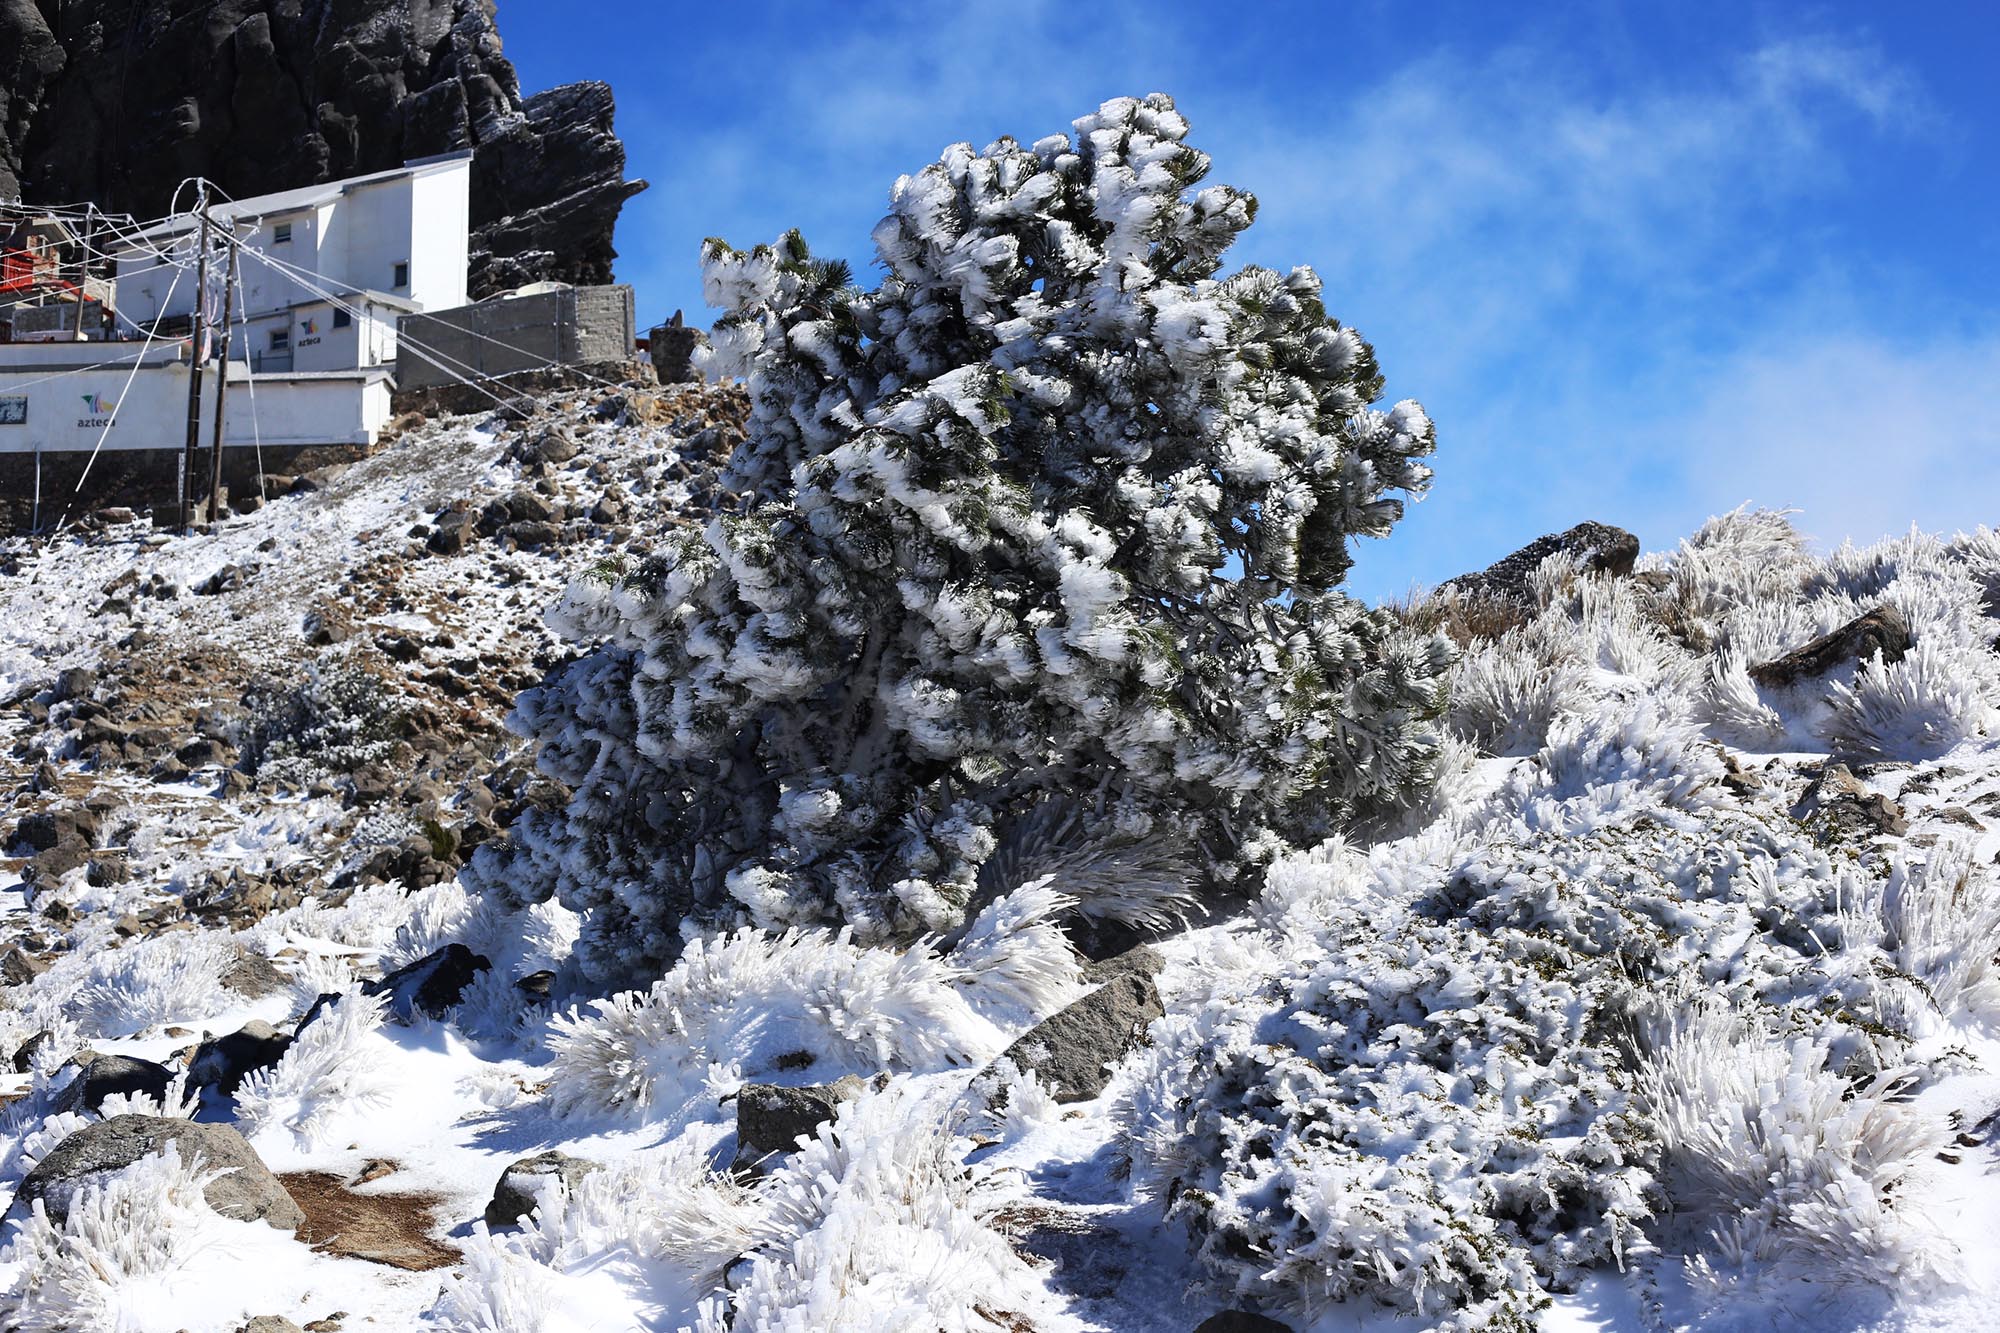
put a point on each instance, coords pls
(107, 1075)
(1602, 548)
(772, 1118)
(1845, 808)
(247, 1191)
(1071, 1052)
(223, 1062)
(1882, 630)
(1241, 1321)
(514, 1195)
(431, 985)
(116, 101)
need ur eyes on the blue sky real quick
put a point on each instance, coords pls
(1641, 264)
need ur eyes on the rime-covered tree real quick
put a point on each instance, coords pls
(1036, 572)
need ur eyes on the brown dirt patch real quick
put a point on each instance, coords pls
(392, 1229)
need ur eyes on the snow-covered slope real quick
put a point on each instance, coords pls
(1646, 1020)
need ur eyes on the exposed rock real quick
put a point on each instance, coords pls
(109, 1075)
(431, 985)
(222, 1063)
(1241, 1321)
(253, 976)
(1141, 959)
(116, 101)
(24, 1054)
(270, 1323)
(514, 1194)
(18, 967)
(772, 1118)
(1844, 808)
(247, 1191)
(1882, 630)
(1600, 548)
(1071, 1052)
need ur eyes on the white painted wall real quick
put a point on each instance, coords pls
(148, 409)
(419, 216)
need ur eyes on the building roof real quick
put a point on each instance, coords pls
(306, 196)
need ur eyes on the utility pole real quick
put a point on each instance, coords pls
(230, 273)
(196, 358)
(83, 273)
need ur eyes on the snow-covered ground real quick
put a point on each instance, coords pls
(1621, 1031)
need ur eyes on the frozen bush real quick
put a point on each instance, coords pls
(328, 1072)
(335, 718)
(1504, 700)
(752, 1006)
(1055, 509)
(1917, 708)
(1768, 1157)
(152, 982)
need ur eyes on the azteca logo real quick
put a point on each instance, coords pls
(98, 410)
(309, 328)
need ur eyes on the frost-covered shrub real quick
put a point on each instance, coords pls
(1425, 1117)
(880, 1229)
(1770, 1158)
(152, 982)
(1913, 709)
(121, 1229)
(753, 1006)
(1056, 509)
(1504, 698)
(667, 1218)
(334, 718)
(326, 1073)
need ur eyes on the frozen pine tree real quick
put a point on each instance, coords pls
(1053, 518)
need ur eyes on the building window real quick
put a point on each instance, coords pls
(281, 340)
(402, 275)
(281, 234)
(341, 319)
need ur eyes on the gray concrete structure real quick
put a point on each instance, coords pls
(563, 326)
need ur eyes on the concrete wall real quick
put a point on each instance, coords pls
(507, 335)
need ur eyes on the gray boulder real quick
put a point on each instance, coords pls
(108, 1075)
(771, 1117)
(1072, 1052)
(1882, 630)
(514, 1197)
(222, 1063)
(247, 1191)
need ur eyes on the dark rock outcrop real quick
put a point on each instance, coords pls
(431, 985)
(246, 1191)
(224, 1062)
(109, 1075)
(1882, 630)
(1601, 548)
(1072, 1051)
(514, 1197)
(117, 101)
(771, 1117)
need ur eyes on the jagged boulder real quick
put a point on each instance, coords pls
(1072, 1051)
(247, 1191)
(771, 1117)
(431, 985)
(1599, 547)
(110, 1075)
(1882, 630)
(224, 1062)
(116, 101)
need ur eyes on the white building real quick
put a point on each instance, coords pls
(346, 260)
(78, 397)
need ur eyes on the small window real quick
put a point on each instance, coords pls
(281, 340)
(341, 319)
(281, 234)
(402, 274)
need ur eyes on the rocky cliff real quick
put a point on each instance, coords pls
(118, 101)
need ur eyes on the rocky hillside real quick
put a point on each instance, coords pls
(117, 103)
(1675, 1006)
